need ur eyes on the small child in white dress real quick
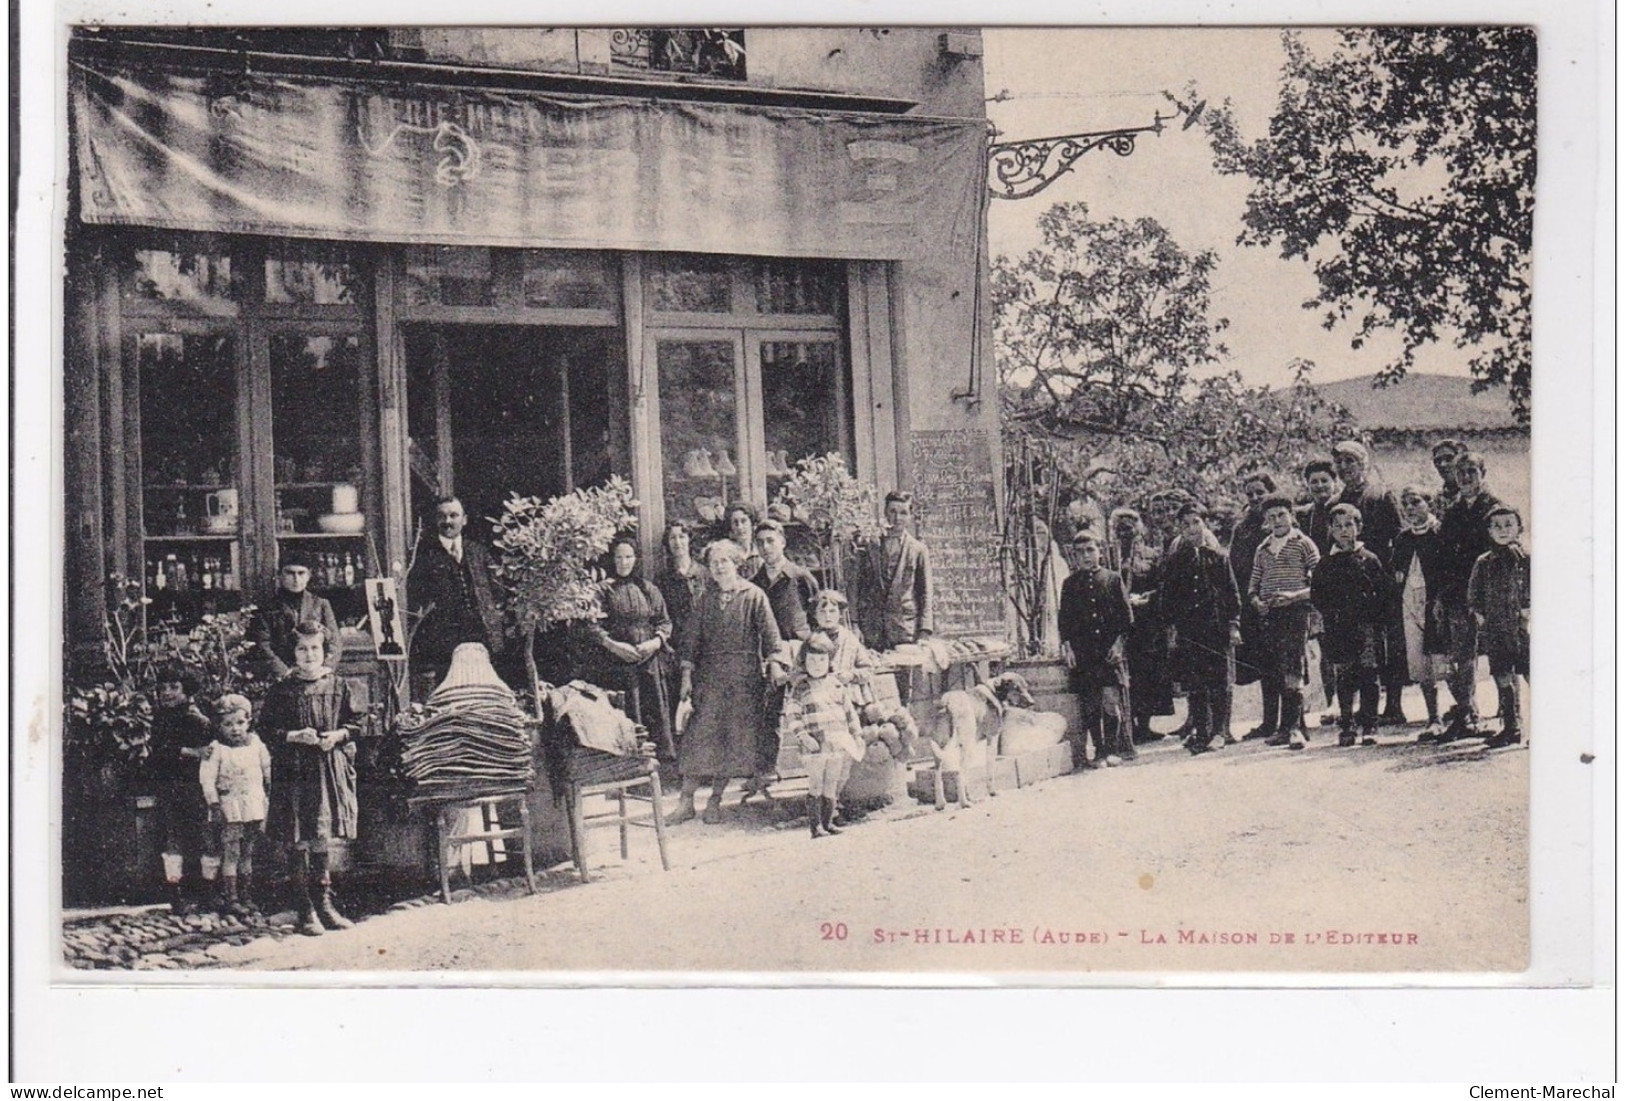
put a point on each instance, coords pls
(236, 779)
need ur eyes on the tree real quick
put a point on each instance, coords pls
(1104, 320)
(1401, 165)
(549, 552)
(1102, 337)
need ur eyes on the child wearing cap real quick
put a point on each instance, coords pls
(1498, 594)
(1203, 610)
(1094, 620)
(1279, 590)
(236, 782)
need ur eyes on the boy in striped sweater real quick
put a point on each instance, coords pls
(1279, 590)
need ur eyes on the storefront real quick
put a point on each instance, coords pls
(306, 299)
(301, 307)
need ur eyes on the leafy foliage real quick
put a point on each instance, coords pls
(840, 510)
(1103, 320)
(109, 720)
(549, 552)
(1402, 167)
(1099, 336)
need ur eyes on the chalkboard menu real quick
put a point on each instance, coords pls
(956, 517)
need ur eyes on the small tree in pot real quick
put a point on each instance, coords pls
(549, 552)
(840, 511)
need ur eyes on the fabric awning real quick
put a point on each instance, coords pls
(367, 161)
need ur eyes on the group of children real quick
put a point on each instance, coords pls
(1419, 603)
(221, 788)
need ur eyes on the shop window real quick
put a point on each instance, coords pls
(699, 427)
(797, 287)
(567, 280)
(299, 276)
(191, 489)
(317, 460)
(199, 278)
(691, 284)
(445, 276)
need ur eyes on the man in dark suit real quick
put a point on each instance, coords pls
(449, 589)
(274, 626)
(894, 585)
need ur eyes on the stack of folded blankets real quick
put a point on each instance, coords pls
(471, 731)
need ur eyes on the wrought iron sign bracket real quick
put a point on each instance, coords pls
(1021, 169)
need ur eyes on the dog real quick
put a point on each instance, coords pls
(970, 718)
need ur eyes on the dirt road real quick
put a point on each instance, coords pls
(1393, 858)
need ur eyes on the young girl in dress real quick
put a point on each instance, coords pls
(310, 721)
(819, 715)
(1417, 563)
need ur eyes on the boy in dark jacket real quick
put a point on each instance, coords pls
(1463, 537)
(1203, 608)
(179, 741)
(1498, 594)
(1094, 616)
(1351, 591)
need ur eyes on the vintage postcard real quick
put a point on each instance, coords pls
(827, 503)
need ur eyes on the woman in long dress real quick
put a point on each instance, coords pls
(632, 636)
(728, 654)
(681, 583)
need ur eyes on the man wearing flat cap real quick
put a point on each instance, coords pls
(274, 628)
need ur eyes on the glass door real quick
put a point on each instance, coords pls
(704, 443)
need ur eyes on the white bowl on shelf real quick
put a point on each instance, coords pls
(342, 523)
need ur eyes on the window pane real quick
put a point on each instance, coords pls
(789, 286)
(188, 427)
(803, 405)
(311, 276)
(191, 498)
(315, 424)
(698, 428)
(561, 280)
(440, 275)
(691, 284)
(161, 275)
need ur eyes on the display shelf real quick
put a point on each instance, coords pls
(228, 537)
(361, 535)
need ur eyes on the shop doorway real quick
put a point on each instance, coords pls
(494, 410)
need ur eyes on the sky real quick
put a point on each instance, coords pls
(1069, 80)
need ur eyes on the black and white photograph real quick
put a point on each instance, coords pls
(795, 500)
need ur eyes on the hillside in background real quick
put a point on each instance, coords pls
(1420, 403)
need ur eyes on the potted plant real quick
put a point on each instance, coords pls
(548, 559)
(841, 512)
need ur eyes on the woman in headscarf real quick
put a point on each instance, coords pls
(631, 638)
(729, 653)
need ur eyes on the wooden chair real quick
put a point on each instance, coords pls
(452, 803)
(625, 781)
